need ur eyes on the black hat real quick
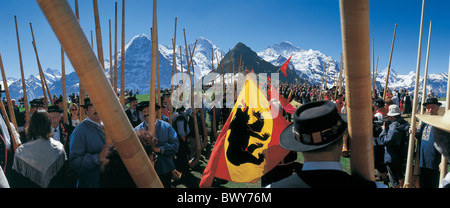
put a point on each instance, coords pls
(37, 103)
(143, 104)
(432, 101)
(59, 100)
(87, 102)
(133, 98)
(54, 108)
(316, 125)
(378, 102)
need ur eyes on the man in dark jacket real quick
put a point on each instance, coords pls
(317, 132)
(395, 140)
(132, 113)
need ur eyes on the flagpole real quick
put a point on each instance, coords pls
(389, 65)
(87, 66)
(412, 136)
(122, 62)
(356, 48)
(24, 88)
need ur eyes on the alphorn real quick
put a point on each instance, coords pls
(24, 88)
(356, 49)
(13, 136)
(86, 65)
(115, 49)
(98, 35)
(373, 69)
(111, 74)
(153, 72)
(174, 70)
(63, 72)
(82, 92)
(412, 136)
(12, 116)
(416, 168)
(389, 65)
(194, 162)
(122, 57)
(43, 83)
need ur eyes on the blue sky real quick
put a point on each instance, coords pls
(308, 24)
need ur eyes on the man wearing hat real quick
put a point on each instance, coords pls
(429, 156)
(87, 143)
(378, 149)
(394, 138)
(36, 104)
(132, 113)
(378, 105)
(317, 132)
(441, 134)
(61, 131)
(165, 148)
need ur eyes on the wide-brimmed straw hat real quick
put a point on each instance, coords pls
(440, 122)
(316, 125)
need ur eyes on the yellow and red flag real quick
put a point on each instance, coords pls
(248, 145)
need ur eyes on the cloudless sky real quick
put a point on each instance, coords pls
(308, 24)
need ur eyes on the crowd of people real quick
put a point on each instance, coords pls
(52, 153)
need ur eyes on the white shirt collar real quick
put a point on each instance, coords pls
(57, 129)
(99, 124)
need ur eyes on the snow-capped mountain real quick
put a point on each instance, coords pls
(33, 84)
(138, 62)
(309, 64)
(435, 82)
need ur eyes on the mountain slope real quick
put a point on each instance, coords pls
(308, 64)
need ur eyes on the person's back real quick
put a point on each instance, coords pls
(317, 132)
(85, 144)
(39, 162)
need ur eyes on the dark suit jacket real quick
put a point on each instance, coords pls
(130, 118)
